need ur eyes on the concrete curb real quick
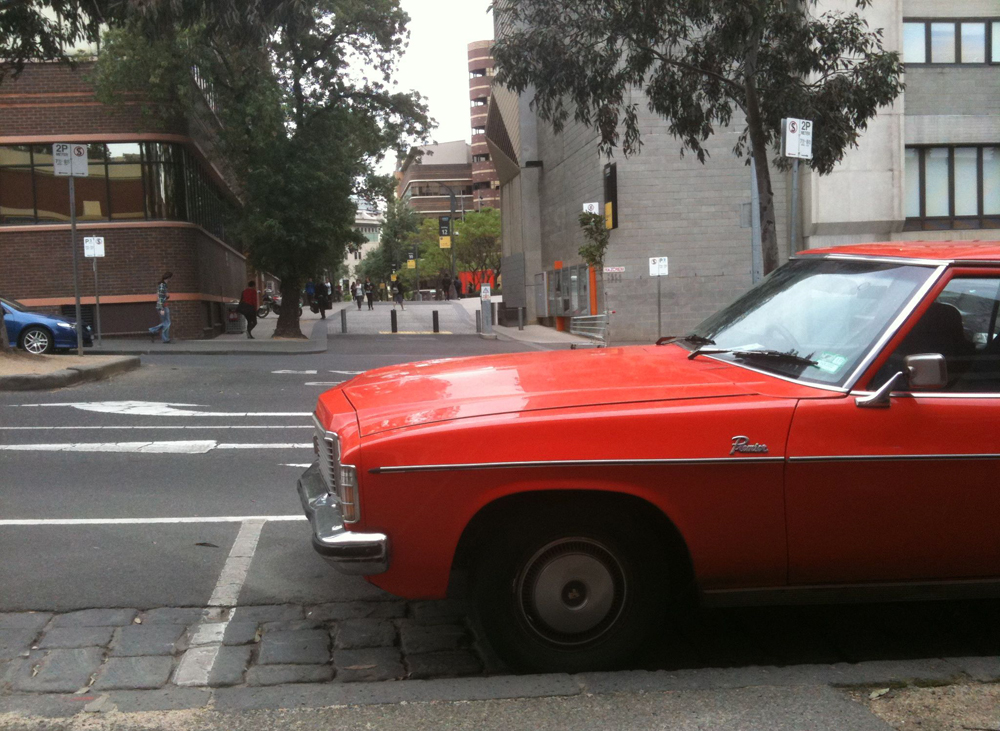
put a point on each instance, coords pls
(317, 342)
(69, 376)
(930, 671)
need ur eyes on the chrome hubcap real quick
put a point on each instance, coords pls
(36, 342)
(572, 591)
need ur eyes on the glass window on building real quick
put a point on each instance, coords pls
(914, 42)
(973, 42)
(936, 199)
(958, 186)
(966, 181)
(995, 34)
(912, 172)
(991, 181)
(17, 203)
(942, 43)
(92, 191)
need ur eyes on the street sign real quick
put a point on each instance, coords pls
(411, 255)
(70, 160)
(658, 266)
(444, 241)
(614, 270)
(485, 292)
(594, 208)
(444, 225)
(93, 246)
(797, 138)
(411, 264)
(392, 277)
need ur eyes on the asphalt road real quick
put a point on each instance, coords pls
(132, 492)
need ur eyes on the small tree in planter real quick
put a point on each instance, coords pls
(597, 235)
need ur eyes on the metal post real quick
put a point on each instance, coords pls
(520, 318)
(487, 317)
(451, 231)
(76, 265)
(434, 319)
(659, 309)
(756, 252)
(479, 321)
(343, 320)
(392, 319)
(97, 305)
(493, 313)
(793, 246)
(416, 265)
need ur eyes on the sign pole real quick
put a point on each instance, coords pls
(416, 265)
(794, 232)
(97, 305)
(659, 309)
(76, 264)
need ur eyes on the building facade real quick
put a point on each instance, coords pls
(154, 192)
(368, 222)
(431, 174)
(926, 168)
(485, 184)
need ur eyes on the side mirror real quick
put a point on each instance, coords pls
(927, 372)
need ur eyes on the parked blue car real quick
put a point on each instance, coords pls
(38, 333)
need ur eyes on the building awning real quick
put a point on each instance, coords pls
(501, 148)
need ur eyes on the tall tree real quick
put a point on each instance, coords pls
(303, 93)
(478, 241)
(698, 63)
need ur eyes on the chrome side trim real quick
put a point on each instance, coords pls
(779, 376)
(571, 463)
(891, 331)
(853, 593)
(893, 458)
(934, 394)
(806, 256)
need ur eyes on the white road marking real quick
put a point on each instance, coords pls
(346, 373)
(195, 667)
(200, 446)
(155, 408)
(303, 465)
(160, 426)
(43, 522)
(323, 383)
(296, 373)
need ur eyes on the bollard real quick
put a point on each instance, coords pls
(479, 321)
(392, 316)
(437, 326)
(343, 320)
(493, 313)
(520, 318)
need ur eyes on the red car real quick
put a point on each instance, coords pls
(832, 435)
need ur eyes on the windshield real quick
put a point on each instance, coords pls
(826, 311)
(12, 304)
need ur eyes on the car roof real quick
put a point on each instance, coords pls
(940, 252)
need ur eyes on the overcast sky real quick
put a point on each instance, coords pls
(436, 63)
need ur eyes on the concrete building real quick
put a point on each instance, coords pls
(485, 184)
(368, 221)
(155, 192)
(927, 168)
(431, 173)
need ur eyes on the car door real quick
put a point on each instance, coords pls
(909, 492)
(12, 323)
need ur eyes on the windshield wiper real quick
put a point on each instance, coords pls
(689, 338)
(777, 355)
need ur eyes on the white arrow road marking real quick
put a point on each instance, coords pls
(296, 373)
(346, 373)
(201, 446)
(155, 408)
(13, 522)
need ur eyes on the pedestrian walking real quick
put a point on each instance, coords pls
(310, 292)
(398, 293)
(248, 307)
(323, 299)
(358, 293)
(370, 293)
(162, 296)
(446, 287)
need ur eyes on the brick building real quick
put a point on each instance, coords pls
(443, 169)
(927, 168)
(485, 184)
(155, 192)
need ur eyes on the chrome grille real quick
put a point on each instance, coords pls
(329, 455)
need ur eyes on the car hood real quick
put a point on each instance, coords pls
(441, 390)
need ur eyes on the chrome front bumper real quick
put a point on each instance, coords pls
(348, 551)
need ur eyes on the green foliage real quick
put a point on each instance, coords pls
(598, 236)
(478, 242)
(698, 64)
(302, 130)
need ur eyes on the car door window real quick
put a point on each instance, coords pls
(962, 325)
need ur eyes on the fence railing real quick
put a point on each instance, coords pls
(595, 327)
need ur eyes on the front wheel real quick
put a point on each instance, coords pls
(262, 311)
(37, 341)
(570, 593)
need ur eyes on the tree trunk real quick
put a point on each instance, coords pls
(758, 148)
(288, 317)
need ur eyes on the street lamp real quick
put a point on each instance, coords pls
(451, 226)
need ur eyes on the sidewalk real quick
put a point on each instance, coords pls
(314, 328)
(537, 334)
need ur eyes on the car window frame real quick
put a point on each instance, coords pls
(952, 273)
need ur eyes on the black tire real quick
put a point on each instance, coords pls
(262, 311)
(570, 591)
(37, 340)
